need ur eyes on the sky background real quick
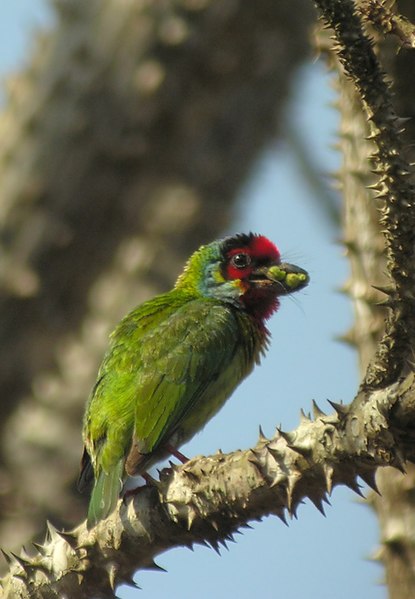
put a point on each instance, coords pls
(314, 557)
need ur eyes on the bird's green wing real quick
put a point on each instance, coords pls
(189, 366)
(110, 414)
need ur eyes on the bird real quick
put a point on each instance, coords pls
(174, 360)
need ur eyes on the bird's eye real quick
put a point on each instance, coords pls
(241, 260)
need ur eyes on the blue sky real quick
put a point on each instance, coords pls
(314, 557)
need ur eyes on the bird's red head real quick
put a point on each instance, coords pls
(252, 265)
(246, 259)
(243, 270)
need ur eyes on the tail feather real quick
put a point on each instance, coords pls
(105, 494)
(86, 474)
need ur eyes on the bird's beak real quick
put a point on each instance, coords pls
(285, 277)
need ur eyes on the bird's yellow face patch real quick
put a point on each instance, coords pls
(240, 284)
(218, 276)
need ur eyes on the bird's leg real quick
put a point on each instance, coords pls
(176, 453)
(151, 482)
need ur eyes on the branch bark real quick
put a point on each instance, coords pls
(208, 499)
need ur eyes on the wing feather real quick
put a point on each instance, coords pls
(187, 355)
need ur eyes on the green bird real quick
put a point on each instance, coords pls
(174, 361)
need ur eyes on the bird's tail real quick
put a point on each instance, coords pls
(105, 494)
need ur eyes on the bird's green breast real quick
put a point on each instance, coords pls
(248, 342)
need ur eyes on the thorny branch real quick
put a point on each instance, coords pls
(355, 51)
(208, 499)
(385, 20)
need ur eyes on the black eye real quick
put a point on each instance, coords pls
(241, 260)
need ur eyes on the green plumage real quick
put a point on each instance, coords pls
(171, 364)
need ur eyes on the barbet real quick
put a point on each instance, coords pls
(174, 361)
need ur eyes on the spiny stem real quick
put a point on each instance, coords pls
(355, 51)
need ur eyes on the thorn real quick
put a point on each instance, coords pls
(349, 338)
(257, 466)
(401, 120)
(354, 486)
(215, 545)
(328, 475)
(6, 557)
(288, 437)
(229, 537)
(273, 451)
(368, 476)
(376, 186)
(189, 545)
(257, 453)
(52, 532)
(317, 412)
(191, 517)
(349, 244)
(326, 499)
(223, 543)
(399, 462)
(25, 554)
(112, 573)
(22, 561)
(385, 303)
(69, 538)
(291, 485)
(40, 548)
(281, 515)
(304, 418)
(150, 482)
(386, 289)
(303, 449)
(214, 524)
(190, 474)
(132, 584)
(341, 409)
(317, 501)
(280, 478)
(262, 437)
(153, 566)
